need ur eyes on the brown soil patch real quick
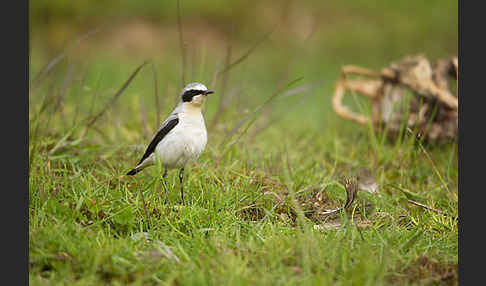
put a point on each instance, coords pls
(426, 271)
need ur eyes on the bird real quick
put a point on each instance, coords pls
(181, 138)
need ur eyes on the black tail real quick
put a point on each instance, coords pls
(133, 172)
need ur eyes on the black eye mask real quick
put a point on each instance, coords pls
(188, 95)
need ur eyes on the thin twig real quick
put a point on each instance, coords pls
(147, 218)
(431, 161)
(156, 95)
(214, 78)
(116, 96)
(426, 207)
(143, 115)
(181, 44)
(222, 92)
(246, 54)
(289, 93)
(67, 81)
(274, 120)
(80, 88)
(50, 101)
(253, 115)
(432, 209)
(60, 57)
(65, 85)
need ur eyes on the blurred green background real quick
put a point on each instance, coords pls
(357, 31)
(308, 39)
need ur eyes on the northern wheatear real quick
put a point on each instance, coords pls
(181, 138)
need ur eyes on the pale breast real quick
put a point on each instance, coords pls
(184, 143)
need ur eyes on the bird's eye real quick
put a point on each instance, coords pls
(188, 95)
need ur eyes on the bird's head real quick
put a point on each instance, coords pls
(195, 94)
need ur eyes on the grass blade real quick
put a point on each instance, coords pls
(60, 57)
(253, 114)
(116, 96)
(246, 54)
(156, 95)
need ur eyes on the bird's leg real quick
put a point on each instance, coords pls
(181, 177)
(164, 176)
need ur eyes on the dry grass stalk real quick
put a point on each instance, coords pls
(156, 95)
(181, 44)
(115, 97)
(351, 187)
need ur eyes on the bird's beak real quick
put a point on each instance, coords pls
(207, 92)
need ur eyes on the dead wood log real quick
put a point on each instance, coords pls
(409, 89)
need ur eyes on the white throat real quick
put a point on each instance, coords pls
(192, 109)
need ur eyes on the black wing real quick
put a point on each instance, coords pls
(166, 128)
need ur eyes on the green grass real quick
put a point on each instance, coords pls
(249, 216)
